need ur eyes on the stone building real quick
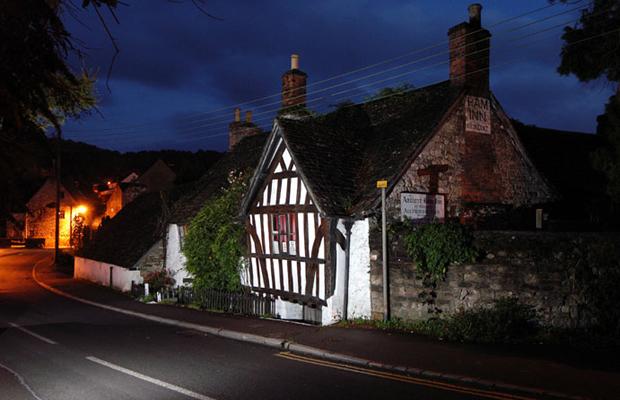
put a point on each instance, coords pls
(39, 222)
(158, 177)
(447, 150)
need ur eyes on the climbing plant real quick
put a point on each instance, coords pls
(214, 242)
(433, 247)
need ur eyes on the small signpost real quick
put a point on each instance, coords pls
(383, 184)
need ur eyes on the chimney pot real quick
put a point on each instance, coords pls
(237, 114)
(248, 116)
(475, 14)
(294, 85)
(294, 61)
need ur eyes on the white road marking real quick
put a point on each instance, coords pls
(146, 378)
(21, 381)
(31, 333)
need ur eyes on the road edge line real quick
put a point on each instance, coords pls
(21, 381)
(283, 344)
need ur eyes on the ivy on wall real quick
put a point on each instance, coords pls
(214, 244)
(433, 247)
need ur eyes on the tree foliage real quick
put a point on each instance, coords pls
(214, 242)
(589, 59)
(36, 84)
(591, 50)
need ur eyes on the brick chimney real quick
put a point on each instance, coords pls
(469, 52)
(238, 130)
(294, 85)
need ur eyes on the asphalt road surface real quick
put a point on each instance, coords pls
(55, 348)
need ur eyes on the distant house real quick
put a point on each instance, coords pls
(75, 211)
(445, 151)
(147, 234)
(123, 193)
(158, 177)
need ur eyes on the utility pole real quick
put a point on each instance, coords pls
(386, 298)
(57, 175)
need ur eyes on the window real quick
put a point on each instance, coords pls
(61, 214)
(284, 234)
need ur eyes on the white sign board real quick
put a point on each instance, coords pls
(422, 207)
(477, 114)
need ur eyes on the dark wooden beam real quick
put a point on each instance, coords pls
(287, 257)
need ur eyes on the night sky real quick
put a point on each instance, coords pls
(179, 72)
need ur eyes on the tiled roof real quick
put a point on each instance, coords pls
(123, 239)
(342, 154)
(244, 155)
(564, 158)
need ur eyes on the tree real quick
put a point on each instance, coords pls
(591, 50)
(36, 85)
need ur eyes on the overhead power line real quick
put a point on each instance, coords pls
(384, 62)
(495, 66)
(204, 127)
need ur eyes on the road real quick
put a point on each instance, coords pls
(55, 348)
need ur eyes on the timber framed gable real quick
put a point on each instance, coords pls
(287, 235)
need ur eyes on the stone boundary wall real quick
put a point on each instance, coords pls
(556, 273)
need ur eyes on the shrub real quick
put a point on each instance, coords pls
(508, 321)
(435, 246)
(158, 279)
(214, 242)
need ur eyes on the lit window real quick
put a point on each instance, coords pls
(61, 214)
(284, 234)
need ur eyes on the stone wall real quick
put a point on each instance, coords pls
(553, 272)
(469, 167)
(152, 260)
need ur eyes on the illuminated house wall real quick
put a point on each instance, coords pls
(40, 221)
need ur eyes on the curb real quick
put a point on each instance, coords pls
(282, 344)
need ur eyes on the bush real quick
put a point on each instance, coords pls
(158, 280)
(214, 242)
(508, 321)
(435, 246)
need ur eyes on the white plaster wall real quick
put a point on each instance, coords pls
(359, 271)
(332, 312)
(359, 277)
(175, 260)
(288, 310)
(99, 272)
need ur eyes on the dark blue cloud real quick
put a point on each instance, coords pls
(176, 64)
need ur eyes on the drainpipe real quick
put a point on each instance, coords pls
(348, 224)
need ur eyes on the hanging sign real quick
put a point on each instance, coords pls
(477, 114)
(422, 207)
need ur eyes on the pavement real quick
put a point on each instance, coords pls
(537, 371)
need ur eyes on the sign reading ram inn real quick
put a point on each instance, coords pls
(422, 207)
(477, 114)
